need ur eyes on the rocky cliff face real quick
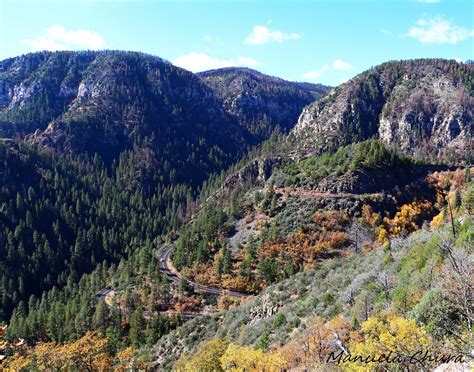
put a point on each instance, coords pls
(260, 102)
(422, 107)
(36, 88)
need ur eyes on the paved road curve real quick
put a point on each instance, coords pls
(167, 267)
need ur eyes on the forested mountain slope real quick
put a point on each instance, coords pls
(104, 153)
(167, 119)
(61, 216)
(260, 102)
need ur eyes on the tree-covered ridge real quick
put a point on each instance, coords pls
(78, 205)
(357, 157)
(63, 215)
(67, 314)
(69, 213)
(171, 121)
(261, 103)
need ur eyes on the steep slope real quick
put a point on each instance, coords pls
(109, 102)
(333, 306)
(260, 102)
(274, 217)
(422, 107)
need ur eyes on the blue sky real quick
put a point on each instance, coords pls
(318, 41)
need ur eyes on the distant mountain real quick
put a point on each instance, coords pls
(261, 102)
(111, 102)
(422, 107)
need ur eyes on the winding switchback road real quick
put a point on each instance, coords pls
(167, 267)
(302, 193)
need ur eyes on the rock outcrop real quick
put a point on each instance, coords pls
(422, 107)
(265, 308)
(254, 173)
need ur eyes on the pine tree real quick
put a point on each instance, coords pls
(101, 317)
(137, 328)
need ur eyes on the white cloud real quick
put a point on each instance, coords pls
(339, 64)
(312, 75)
(336, 65)
(263, 35)
(196, 62)
(208, 38)
(428, 1)
(438, 31)
(58, 38)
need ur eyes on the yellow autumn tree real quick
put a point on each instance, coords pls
(382, 235)
(368, 215)
(388, 334)
(241, 358)
(437, 220)
(49, 356)
(237, 283)
(219, 355)
(17, 362)
(86, 354)
(409, 217)
(206, 358)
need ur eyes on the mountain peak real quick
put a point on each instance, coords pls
(423, 107)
